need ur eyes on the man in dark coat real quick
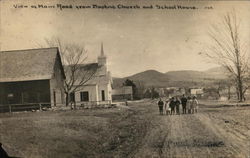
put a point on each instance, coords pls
(172, 106)
(177, 105)
(160, 104)
(184, 104)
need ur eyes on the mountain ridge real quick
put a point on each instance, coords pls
(174, 78)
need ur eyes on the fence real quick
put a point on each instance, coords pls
(93, 104)
(24, 107)
(39, 106)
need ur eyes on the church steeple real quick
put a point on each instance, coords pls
(102, 52)
(102, 58)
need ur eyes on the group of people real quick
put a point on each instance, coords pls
(172, 105)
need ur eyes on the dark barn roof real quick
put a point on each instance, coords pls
(31, 64)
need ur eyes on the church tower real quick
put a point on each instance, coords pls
(102, 59)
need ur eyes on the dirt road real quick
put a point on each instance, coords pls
(209, 134)
(134, 131)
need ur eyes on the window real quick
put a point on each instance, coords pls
(103, 95)
(84, 96)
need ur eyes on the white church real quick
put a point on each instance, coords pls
(98, 90)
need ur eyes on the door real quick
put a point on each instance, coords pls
(54, 94)
(103, 95)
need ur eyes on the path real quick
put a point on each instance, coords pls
(193, 136)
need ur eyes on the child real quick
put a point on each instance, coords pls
(189, 105)
(167, 108)
(195, 104)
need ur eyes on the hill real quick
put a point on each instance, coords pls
(183, 78)
(219, 72)
(148, 78)
(187, 75)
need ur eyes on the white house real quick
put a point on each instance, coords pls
(196, 91)
(98, 90)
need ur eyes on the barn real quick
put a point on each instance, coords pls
(31, 76)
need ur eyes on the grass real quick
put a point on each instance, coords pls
(91, 133)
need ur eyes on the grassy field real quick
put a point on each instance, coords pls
(137, 131)
(107, 133)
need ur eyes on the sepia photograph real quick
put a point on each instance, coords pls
(124, 79)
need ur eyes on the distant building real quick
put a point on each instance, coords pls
(174, 91)
(197, 92)
(31, 76)
(98, 90)
(122, 93)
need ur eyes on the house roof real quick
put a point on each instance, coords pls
(30, 64)
(89, 66)
(87, 70)
(83, 72)
(83, 67)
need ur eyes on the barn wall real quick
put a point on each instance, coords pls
(25, 92)
(56, 85)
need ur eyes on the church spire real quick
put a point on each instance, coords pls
(102, 51)
(102, 58)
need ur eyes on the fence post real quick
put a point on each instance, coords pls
(40, 106)
(10, 108)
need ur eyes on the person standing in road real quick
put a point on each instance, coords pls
(192, 105)
(177, 105)
(195, 105)
(160, 105)
(172, 106)
(189, 102)
(184, 104)
(167, 107)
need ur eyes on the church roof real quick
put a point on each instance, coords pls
(83, 70)
(30, 64)
(84, 67)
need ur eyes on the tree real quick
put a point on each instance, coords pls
(147, 93)
(154, 93)
(211, 92)
(229, 87)
(140, 86)
(228, 51)
(222, 85)
(219, 86)
(73, 58)
(151, 93)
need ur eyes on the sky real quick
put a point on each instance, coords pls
(134, 40)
